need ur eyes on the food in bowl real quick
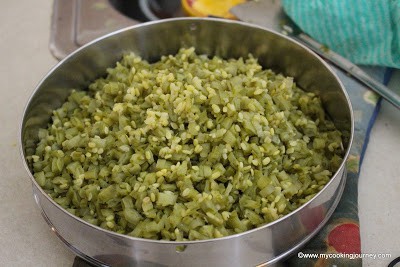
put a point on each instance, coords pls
(187, 148)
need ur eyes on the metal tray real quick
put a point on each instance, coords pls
(77, 22)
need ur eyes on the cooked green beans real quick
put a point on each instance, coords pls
(186, 148)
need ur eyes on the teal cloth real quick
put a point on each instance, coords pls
(364, 31)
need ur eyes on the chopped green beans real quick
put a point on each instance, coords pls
(186, 148)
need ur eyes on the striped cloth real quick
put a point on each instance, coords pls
(364, 31)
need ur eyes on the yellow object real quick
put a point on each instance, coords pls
(205, 8)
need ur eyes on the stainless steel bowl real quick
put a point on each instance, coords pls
(229, 39)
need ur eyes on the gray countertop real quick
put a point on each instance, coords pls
(25, 238)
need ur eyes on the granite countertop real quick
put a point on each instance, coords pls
(25, 238)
